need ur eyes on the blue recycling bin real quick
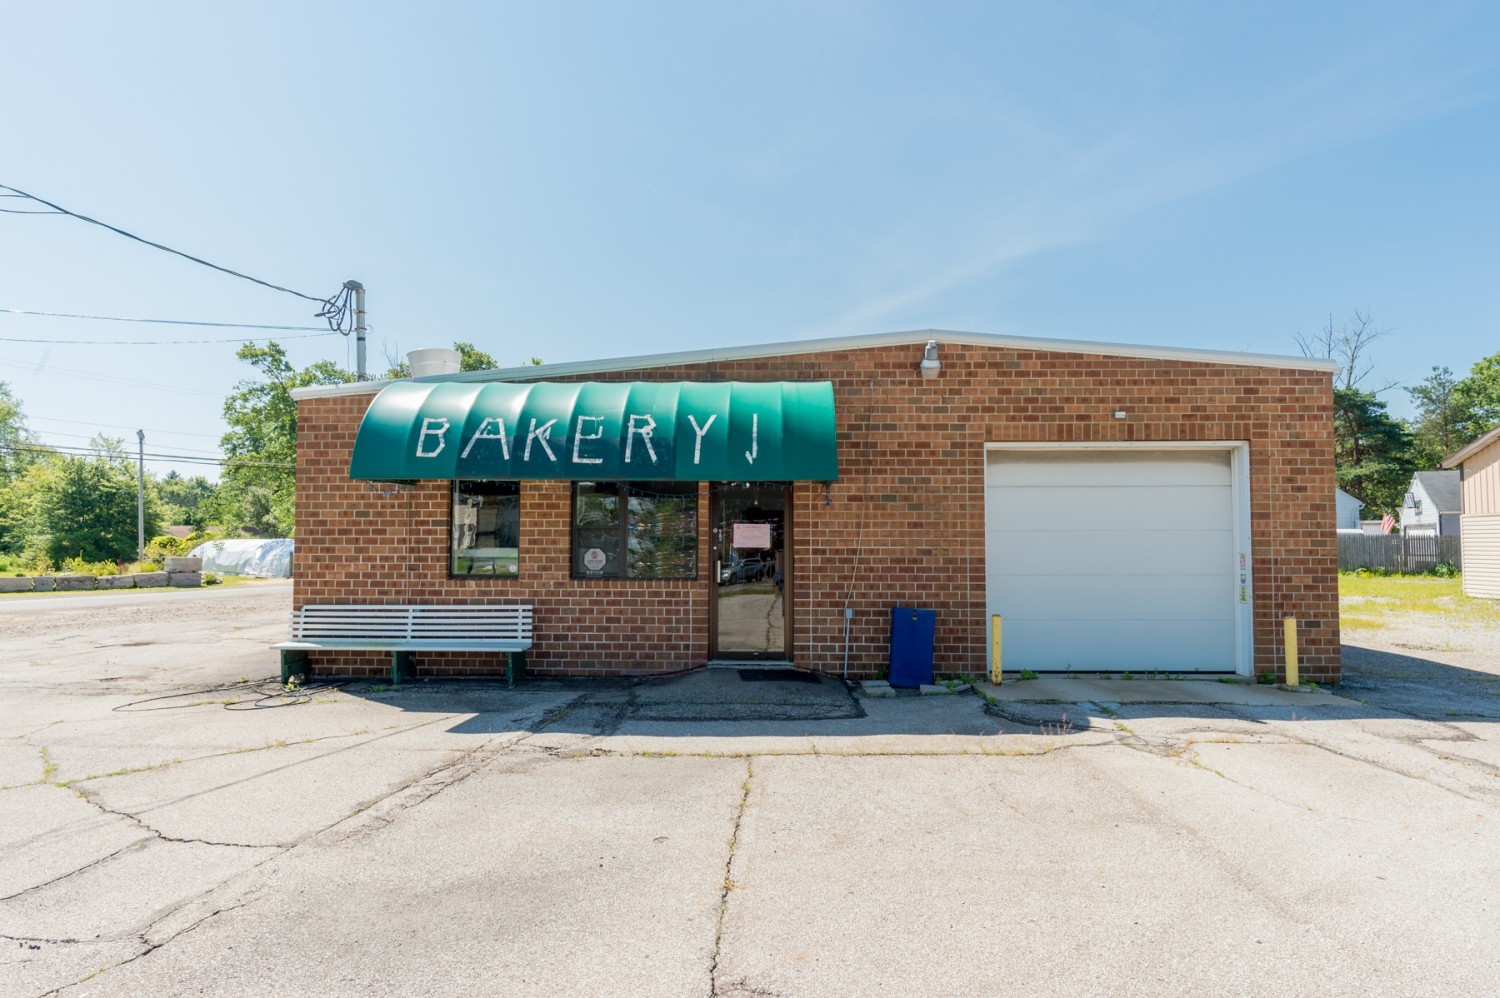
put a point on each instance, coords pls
(911, 645)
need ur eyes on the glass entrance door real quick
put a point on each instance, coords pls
(749, 616)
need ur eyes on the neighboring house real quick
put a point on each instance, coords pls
(1348, 511)
(1432, 504)
(1479, 470)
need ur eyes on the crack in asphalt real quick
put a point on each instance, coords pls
(728, 885)
(616, 719)
(147, 946)
(1212, 851)
(73, 873)
(154, 832)
(1182, 750)
(54, 942)
(370, 816)
(1353, 755)
(278, 851)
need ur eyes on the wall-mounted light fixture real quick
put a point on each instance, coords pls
(1119, 413)
(930, 364)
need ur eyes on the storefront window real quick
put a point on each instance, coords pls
(486, 529)
(635, 530)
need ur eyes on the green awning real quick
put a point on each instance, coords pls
(719, 431)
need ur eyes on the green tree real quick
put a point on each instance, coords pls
(1444, 418)
(1373, 450)
(87, 509)
(1479, 394)
(261, 444)
(18, 452)
(15, 438)
(184, 500)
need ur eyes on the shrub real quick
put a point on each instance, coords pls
(78, 566)
(1445, 570)
(166, 546)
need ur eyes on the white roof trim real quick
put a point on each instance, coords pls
(911, 337)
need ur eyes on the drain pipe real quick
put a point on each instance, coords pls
(848, 616)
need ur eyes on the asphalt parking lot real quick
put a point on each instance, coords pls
(170, 830)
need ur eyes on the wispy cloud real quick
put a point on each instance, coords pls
(1167, 153)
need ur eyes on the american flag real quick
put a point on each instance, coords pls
(1387, 523)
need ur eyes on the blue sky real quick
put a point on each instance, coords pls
(572, 180)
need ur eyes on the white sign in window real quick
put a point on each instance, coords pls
(752, 535)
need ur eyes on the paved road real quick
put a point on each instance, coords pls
(715, 836)
(143, 640)
(29, 603)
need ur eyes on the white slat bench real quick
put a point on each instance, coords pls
(403, 630)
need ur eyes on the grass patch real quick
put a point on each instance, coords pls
(1369, 602)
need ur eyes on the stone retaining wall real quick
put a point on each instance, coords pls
(182, 572)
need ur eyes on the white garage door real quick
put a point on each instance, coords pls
(1112, 560)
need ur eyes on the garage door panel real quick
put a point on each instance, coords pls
(1026, 552)
(1022, 469)
(1137, 646)
(1119, 598)
(1183, 507)
(1113, 560)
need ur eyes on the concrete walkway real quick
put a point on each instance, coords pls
(1091, 689)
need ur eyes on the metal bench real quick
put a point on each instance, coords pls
(404, 630)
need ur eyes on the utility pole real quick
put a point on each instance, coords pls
(140, 496)
(359, 328)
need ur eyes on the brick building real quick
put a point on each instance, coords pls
(1121, 507)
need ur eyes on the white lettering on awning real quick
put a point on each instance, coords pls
(700, 430)
(754, 438)
(480, 434)
(541, 434)
(579, 437)
(644, 431)
(428, 422)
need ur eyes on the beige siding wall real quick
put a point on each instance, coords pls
(1481, 485)
(1481, 534)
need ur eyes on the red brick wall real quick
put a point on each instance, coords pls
(905, 523)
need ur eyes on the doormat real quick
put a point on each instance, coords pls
(778, 676)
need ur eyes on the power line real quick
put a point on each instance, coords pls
(129, 382)
(161, 322)
(311, 332)
(60, 210)
(121, 426)
(69, 450)
(159, 343)
(89, 436)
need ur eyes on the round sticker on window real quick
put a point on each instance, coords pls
(593, 559)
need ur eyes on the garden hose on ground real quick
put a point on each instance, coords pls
(264, 693)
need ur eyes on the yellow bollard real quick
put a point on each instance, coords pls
(1290, 625)
(995, 649)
